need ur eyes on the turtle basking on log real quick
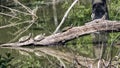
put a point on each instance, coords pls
(39, 37)
(67, 28)
(25, 38)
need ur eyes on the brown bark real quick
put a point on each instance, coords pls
(74, 32)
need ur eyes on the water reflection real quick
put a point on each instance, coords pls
(43, 51)
(61, 54)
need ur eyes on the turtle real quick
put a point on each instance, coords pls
(66, 28)
(25, 38)
(39, 37)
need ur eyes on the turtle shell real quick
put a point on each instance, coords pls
(25, 38)
(39, 37)
(66, 28)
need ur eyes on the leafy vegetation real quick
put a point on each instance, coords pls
(79, 15)
(5, 60)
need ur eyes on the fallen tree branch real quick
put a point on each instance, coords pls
(74, 32)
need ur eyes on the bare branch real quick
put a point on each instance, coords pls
(28, 9)
(9, 15)
(25, 29)
(15, 10)
(55, 13)
(10, 25)
(64, 17)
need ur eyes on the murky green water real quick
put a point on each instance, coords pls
(40, 55)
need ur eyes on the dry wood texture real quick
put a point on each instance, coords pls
(74, 32)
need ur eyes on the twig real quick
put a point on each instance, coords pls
(64, 17)
(55, 13)
(11, 9)
(22, 32)
(28, 9)
(30, 12)
(10, 25)
(111, 46)
(61, 63)
(17, 32)
(8, 15)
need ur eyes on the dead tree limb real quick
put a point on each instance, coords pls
(64, 17)
(74, 32)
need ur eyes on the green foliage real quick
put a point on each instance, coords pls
(79, 15)
(5, 60)
(27, 62)
(114, 10)
(83, 46)
(36, 62)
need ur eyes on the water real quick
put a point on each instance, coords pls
(32, 55)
